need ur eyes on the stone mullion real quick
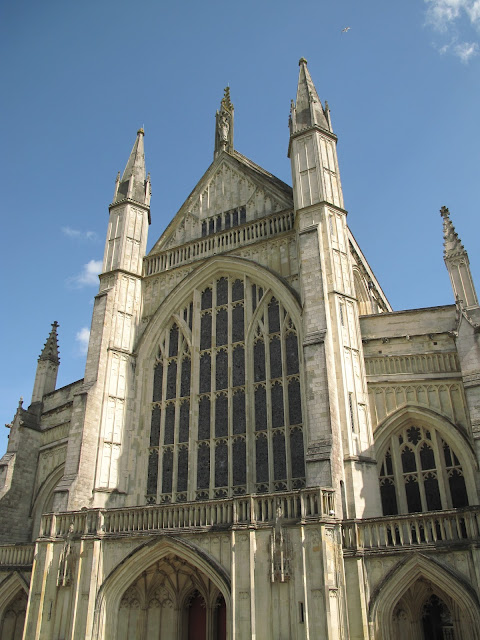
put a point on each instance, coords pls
(398, 475)
(249, 390)
(268, 400)
(442, 474)
(229, 390)
(194, 398)
(286, 415)
(418, 462)
(162, 425)
(179, 361)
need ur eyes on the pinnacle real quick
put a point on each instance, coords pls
(307, 110)
(132, 183)
(50, 349)
(452, 245)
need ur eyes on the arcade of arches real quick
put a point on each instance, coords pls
(13, 617)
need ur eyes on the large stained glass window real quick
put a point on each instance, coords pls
(226, 413)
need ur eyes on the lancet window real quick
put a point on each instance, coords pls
(420, 472)
(226, 413)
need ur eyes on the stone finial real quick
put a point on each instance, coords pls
(452, 245)
(50, 350)
(302, 61)
(224, 124)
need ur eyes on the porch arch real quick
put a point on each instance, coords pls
(141, 559)
(13, 596)
(446, 583)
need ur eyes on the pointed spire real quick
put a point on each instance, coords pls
(224, 125)
(452, 245)
(457, 263)
(50, 350)
(307, 111)
(132, 184)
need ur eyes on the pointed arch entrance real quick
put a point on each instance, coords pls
(165, 589)
(423, 600)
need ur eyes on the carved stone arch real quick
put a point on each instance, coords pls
(139, 560)
(44, 497)
(445, 582)
(453, 435)
(11, 588)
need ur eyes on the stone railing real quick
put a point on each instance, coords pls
(243, 510)
(219, 243)
(413, 530)
(421, 363)
(16, 555)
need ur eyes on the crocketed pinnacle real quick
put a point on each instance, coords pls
(50, 350)
(224, 125)
(308, 110)
(452, 245)
(132, 183)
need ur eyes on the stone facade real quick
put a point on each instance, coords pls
(260, 446)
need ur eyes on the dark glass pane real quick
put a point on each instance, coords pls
(448, 455)
(458, 490)
(254, 297)
(222, 291)
(234, 218)
(260, 409)
(157, 382)
(237, 290)
(221, 416)
(413, 435)
(183, 427)
(190, 316)
(221, 372)
(294, 402)
(218, 225)
(206, 331)
(239, 462)
(152, 477)
(204, 229)
(279, 461)
(155, 427)
(204, 418)
(169, 424)
(205, 382)
(211, 226)
(389, 498)
(427, 459)
(172, 379)
(207, 299)
(243, 215)
(222, 327)
(297, 454)
(277, 406)
(227, 220)
(203, 467)
(275, 358)
(182, 470)
(239, 418)
(388, 463)
(221, 465)
(167, 471)
(238, 372)
(173, 343)
(408, 461)
(259, 361)
(412, 490)
(273, 316)
(291, 344)
(261, 459)
(185, 381)
(237, 324)
(432, 494)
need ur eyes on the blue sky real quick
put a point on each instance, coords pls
(80, 78)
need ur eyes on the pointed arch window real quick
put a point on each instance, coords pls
(226, 413)
(420, 472)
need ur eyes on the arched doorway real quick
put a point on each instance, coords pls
(13, 618)
(172, 599)
(437, 621)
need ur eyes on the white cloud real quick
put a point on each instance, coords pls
(87, 276)
(82, 337)
(451, 17)
(80, 235)
(466, 50)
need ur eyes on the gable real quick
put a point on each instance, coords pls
(233, 191)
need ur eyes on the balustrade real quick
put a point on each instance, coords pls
(218, 243)
(16, 555)
(295, 505)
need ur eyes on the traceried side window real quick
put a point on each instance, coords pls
(420, 472)
(217, 430)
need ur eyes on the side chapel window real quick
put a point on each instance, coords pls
(217, 430)
(420, 472)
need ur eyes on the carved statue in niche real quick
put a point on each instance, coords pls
(280, 556)
(66, 565)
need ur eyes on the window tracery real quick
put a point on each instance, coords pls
(217, 431)
(420, 472)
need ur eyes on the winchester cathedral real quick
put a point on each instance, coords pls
(260, 448)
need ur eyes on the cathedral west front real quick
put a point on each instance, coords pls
(261, 447)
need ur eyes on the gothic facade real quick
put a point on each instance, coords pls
(260, 446)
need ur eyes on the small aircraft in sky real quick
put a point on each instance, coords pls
(346, 29)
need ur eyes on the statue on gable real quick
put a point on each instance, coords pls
(224, 125)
